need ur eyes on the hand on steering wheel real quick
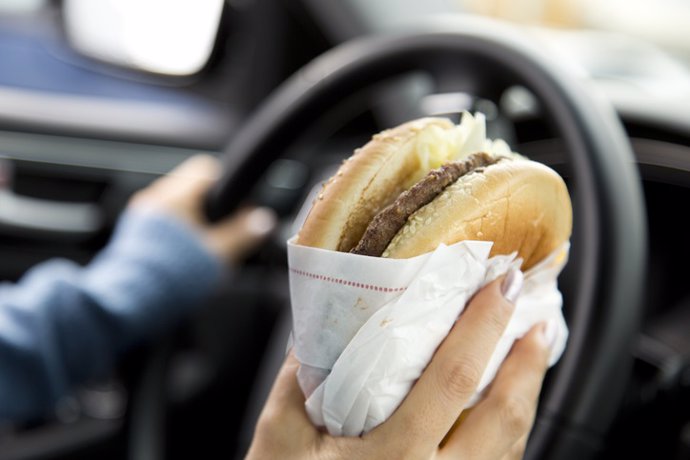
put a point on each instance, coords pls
(180, 193)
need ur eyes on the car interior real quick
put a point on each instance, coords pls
(98, 99)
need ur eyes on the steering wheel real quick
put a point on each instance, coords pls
(609, 239)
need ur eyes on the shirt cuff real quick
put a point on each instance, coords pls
(156, 269)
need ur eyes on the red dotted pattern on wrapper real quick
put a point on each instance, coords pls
(330, 279)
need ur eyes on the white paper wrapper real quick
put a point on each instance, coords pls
(364, 328)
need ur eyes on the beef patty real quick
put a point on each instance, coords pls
(388, 222)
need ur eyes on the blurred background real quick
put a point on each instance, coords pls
(100, 97)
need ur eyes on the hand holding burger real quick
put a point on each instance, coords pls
(410, 189)
(496, 428)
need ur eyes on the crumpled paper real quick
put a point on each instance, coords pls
(364, 328)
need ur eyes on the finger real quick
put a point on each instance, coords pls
(183, 186)
(236, 236)
(517, 450)
(199, 171)
(450, 380)
(507, 412)
(202, 167)
(193, 177)
(463, 415)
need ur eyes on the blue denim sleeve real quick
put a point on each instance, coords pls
(62, 324)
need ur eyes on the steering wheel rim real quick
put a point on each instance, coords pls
(584, 392)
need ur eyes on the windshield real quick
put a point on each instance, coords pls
(662, 23)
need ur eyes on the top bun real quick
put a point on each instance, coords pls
(518, 204)
(366, 183)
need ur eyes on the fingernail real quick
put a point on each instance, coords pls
(261, 221)
(549, 331)
(512, 285)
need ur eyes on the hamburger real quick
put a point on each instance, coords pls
(429, 181)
